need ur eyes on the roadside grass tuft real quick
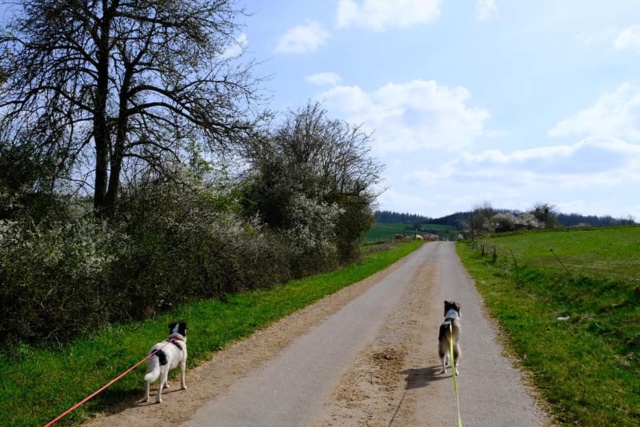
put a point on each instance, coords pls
(38, 384)
(587, 366)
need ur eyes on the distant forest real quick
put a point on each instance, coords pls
(457, 219)
(454, 220)
(572, 220)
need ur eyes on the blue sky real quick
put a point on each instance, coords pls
(511, 102)
(508, 101)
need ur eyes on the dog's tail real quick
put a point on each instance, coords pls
(153, 369)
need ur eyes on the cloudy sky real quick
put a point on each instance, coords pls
(508, 101)
(512, 102)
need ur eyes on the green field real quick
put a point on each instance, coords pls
(601, 252)
(572, 320)
(37, 384)
(384, 232)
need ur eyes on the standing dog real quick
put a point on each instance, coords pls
(173, 353)
(450, 330)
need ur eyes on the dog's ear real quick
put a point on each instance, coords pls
(172, 327)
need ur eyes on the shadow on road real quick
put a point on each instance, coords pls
(421, 377)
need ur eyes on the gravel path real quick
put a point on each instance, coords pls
(365, 356)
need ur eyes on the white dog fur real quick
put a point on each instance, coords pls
(172, 354)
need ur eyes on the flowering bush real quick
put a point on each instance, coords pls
(171, 242)
(54, 278)
(312, 238)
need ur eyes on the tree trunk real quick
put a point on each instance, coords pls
(101, 136)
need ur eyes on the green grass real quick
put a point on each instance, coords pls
(382, 231)
(586, 367)
(602, 252)
(38, 384)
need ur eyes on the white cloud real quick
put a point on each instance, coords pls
(379, 15)
(302, 38)
(324, 79)
(589, 163)
(411, 116)
(616, 114)
(496, 134)
(597, 38)
(236, 48)
(573, 206)
(486, 10)
(350, 99)
(584, 176)
(415, 202)
(592, 149)
(497, 157)
(628, 38)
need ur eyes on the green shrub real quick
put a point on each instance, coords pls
(54, 278)
(172, 242)
(187, 244)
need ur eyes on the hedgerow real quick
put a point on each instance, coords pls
(170, 243)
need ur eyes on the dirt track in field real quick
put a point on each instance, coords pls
(365, 356)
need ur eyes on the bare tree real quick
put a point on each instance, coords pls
(110, 86)
(479, 220)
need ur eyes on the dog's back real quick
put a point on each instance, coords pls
(449, 334)
(449, 329)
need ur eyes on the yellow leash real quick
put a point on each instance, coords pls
(455, 379)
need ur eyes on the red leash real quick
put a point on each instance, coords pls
(86, 399)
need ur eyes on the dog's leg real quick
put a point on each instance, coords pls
(163, 382)
(183, 368)
(443, 345)
(443, 360)
(146, 393)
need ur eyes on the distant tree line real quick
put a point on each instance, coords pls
(574, 220)
(485, 218)
(395, 217)
(452, 220)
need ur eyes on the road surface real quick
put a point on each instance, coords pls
(366, 356)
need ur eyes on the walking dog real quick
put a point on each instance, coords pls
(450, 330)
(172, 354)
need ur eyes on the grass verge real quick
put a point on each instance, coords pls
(37, 384)
(578, 334)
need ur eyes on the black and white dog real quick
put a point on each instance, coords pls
(172, 354)
(450, 330)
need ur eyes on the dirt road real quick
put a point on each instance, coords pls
(365, 356)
